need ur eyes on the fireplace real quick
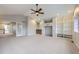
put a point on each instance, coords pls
(38, 31)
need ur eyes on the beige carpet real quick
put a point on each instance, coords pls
(37, 45)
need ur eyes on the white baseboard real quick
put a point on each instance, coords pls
(76, 44)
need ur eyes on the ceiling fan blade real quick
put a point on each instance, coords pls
(33, 10)
(32, 13)
(40, 9)
(41, 12)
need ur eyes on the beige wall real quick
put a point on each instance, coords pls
(76, 38)
(31, 26)
(59, 25)
(63, 25)
(17, 19)
(67, 25)
(1, 25)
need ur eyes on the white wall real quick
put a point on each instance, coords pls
(19, 19)
(31, 26)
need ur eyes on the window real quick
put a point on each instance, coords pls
(76, 25)
(6, 28)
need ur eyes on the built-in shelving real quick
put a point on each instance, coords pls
(48, 27)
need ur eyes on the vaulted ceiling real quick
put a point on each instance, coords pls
(50, 10)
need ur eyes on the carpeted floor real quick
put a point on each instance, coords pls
(37, 45)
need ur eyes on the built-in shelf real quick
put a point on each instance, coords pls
(48, 30)
(48, 21)
(48, 27)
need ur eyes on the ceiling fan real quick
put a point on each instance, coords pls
(37, 11)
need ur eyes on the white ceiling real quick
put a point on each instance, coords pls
(50, 10)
